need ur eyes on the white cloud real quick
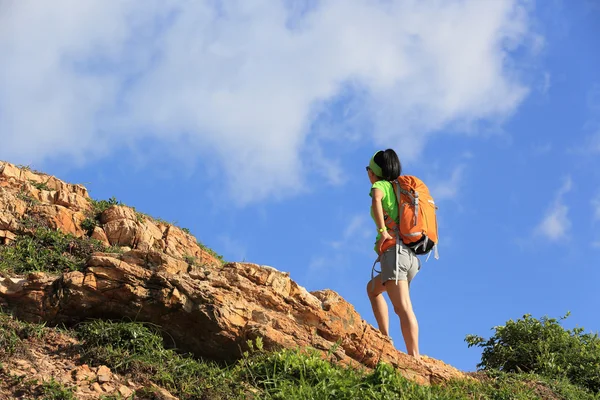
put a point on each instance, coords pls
(339, 257)
(556, 223)
(240, 83)
(448, 189)
(356, 230)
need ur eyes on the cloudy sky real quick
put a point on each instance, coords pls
(250, 123)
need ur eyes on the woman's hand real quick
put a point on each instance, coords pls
(385, 235)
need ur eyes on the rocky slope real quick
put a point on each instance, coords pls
(155, 272)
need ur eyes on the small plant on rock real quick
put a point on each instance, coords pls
(48, 250)
(39, 185)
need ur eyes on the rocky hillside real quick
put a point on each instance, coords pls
(117, 263)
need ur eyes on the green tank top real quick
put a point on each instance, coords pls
(389, 202)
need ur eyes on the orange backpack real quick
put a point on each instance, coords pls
(416, 213)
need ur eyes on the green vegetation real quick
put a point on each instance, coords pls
(191, 260)
(136, 350)
(31, 201)
(98, 207)
(47, 250)
(39, 185)
(15, 339)
(524, 359)
(211, 252)
(10, 342)
(53, 390)
(48, 390)
(543, 347)
(13, 332)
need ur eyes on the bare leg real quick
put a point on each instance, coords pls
(400, 297)
(375, 291)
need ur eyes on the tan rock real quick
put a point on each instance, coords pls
(163, 394)
(125, 391)
(23, 364)
(62, 218)
(83, 373)
(6, 236)
(116, 213)
(9, 286)
(124, 227)
(70, 199)
(8, 170)
(12, 208)
(99, 235)
(107, 388)
(158, 261)
(16, 372)
(96, 387)
(104, 374)
(44, 196)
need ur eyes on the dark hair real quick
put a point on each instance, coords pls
(390, 164)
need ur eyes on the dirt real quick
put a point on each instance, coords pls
(56, 358)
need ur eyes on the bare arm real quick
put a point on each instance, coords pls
(377, 196)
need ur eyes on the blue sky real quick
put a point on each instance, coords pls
(250, 123)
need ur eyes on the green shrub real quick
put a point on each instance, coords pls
(98, 207)
(137, 349)
(39, 185)
(543, 347)
(210, 251)
(28, 199)
(47, 250)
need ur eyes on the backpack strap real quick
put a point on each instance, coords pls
(389, 221)
(414, 197)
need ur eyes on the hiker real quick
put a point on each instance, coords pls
(399, 263)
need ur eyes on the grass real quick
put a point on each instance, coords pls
(13, 333)
(136, 350)
(39, 185)
(211, 252)
(53, 390)
(47, 390)
(47, 250)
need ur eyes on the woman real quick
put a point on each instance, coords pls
(399, 264)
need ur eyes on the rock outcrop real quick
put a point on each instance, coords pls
(165, 277)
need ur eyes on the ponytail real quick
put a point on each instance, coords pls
(388, 160)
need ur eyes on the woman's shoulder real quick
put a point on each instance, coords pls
(382, 185)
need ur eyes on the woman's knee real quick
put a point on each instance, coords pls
(403, 308)
(374, 288)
